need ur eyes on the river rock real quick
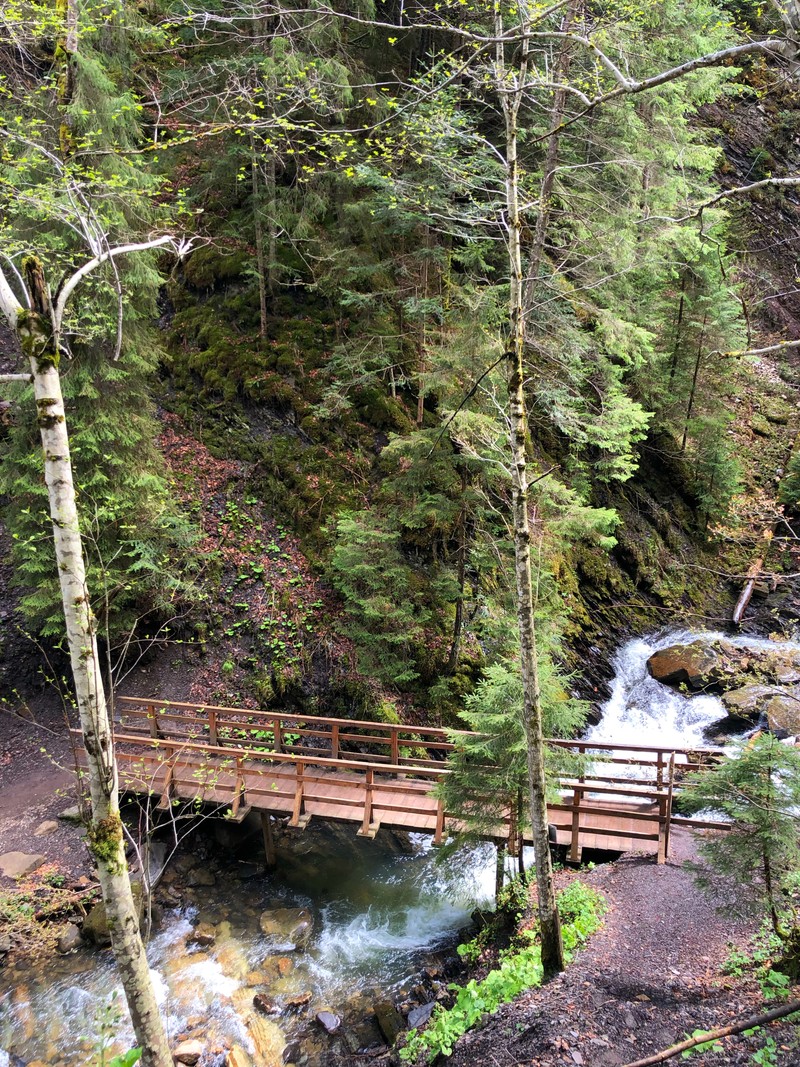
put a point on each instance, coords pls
(18, 864)
(204, 934)
(73, 814)
(749, 702)
(694, 666)
(70, 940)
(5, 944)
(291, 926)
(420, 1015)
(237, 1057)
(783, 712)
(299, 1000)
(266, 1005)
(268, 1041)
(389, 1020)
(201, 876)
(328, 1021)
(188, 1052)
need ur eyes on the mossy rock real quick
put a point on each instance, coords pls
(760, 426)
(208, 266)
(95, 925)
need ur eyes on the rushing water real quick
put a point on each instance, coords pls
(375, 915)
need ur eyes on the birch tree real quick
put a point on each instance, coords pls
(36, 321)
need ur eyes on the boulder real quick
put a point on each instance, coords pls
(389, 1020)
(70, 940)
(287, 926)
(299, 1000)
(749, 702)
(73, 814)
(18, 864)
(6, 944)
(188, 1052)
(783, 712)
(328, 1021)
(694, 666)
(201, 876)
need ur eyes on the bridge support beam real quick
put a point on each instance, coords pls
(269, 838)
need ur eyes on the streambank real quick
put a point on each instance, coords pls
(653, 973)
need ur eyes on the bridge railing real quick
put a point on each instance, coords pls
(295, 734)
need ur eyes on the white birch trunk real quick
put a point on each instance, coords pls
(37, 334)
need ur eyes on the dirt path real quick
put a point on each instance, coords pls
(649, 978)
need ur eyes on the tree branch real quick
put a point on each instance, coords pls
(9, 305)
(714, 1035)
(16, 378)
(67, 287)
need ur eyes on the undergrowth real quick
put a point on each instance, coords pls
(581, 909)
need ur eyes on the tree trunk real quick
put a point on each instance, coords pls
(105, 837)
(261, 264)
(552, 947)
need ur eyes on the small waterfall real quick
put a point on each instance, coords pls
(642, 711)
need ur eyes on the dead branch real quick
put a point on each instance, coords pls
(715, 1035)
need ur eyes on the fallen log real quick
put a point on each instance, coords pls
(715, 1035)
(750, 582)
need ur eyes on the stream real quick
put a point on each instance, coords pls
(381, 914)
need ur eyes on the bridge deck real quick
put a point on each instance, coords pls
(374, 775)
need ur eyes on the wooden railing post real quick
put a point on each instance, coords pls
(574, 844)
(297, 810)
(438, 833)
(165, 800)
(659, 769)
(670, 793)
(151, 715)
(238, 789)
(368, 788)
(335, 741)
(212, 727)
(277, 740)
(395, 742)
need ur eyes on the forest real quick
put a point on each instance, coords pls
(403, 375)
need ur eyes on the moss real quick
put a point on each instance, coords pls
(209, 266)
(105, 841)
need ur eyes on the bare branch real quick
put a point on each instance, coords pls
(16, 378)
(9, 305)
(67, 288)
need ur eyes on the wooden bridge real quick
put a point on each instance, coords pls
(379, 774)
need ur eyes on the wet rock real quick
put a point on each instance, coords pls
(268, 1041)
(5, 944)
(292, 1052)
(70, 940)
(285, 965)
(389, 1020)
(299, 1000)
(237, 1057)
(692, 665)
(266, 1005)
(292, 926)
(783, 712)
(204, 934)
(201, 876)
(749, 702)
(188, 1052)
(18, 864)
(421, 1014)
(328, 1021)
(248, 871)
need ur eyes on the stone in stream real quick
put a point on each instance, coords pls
(188, 1052)
(70, 940)
(389, 1020)
(237, 1057)
(328, 1021)
(288, 926)
(204, 934)
(268, 1041)
(266, 1005)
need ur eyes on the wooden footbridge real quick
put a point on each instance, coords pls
(378, 774)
